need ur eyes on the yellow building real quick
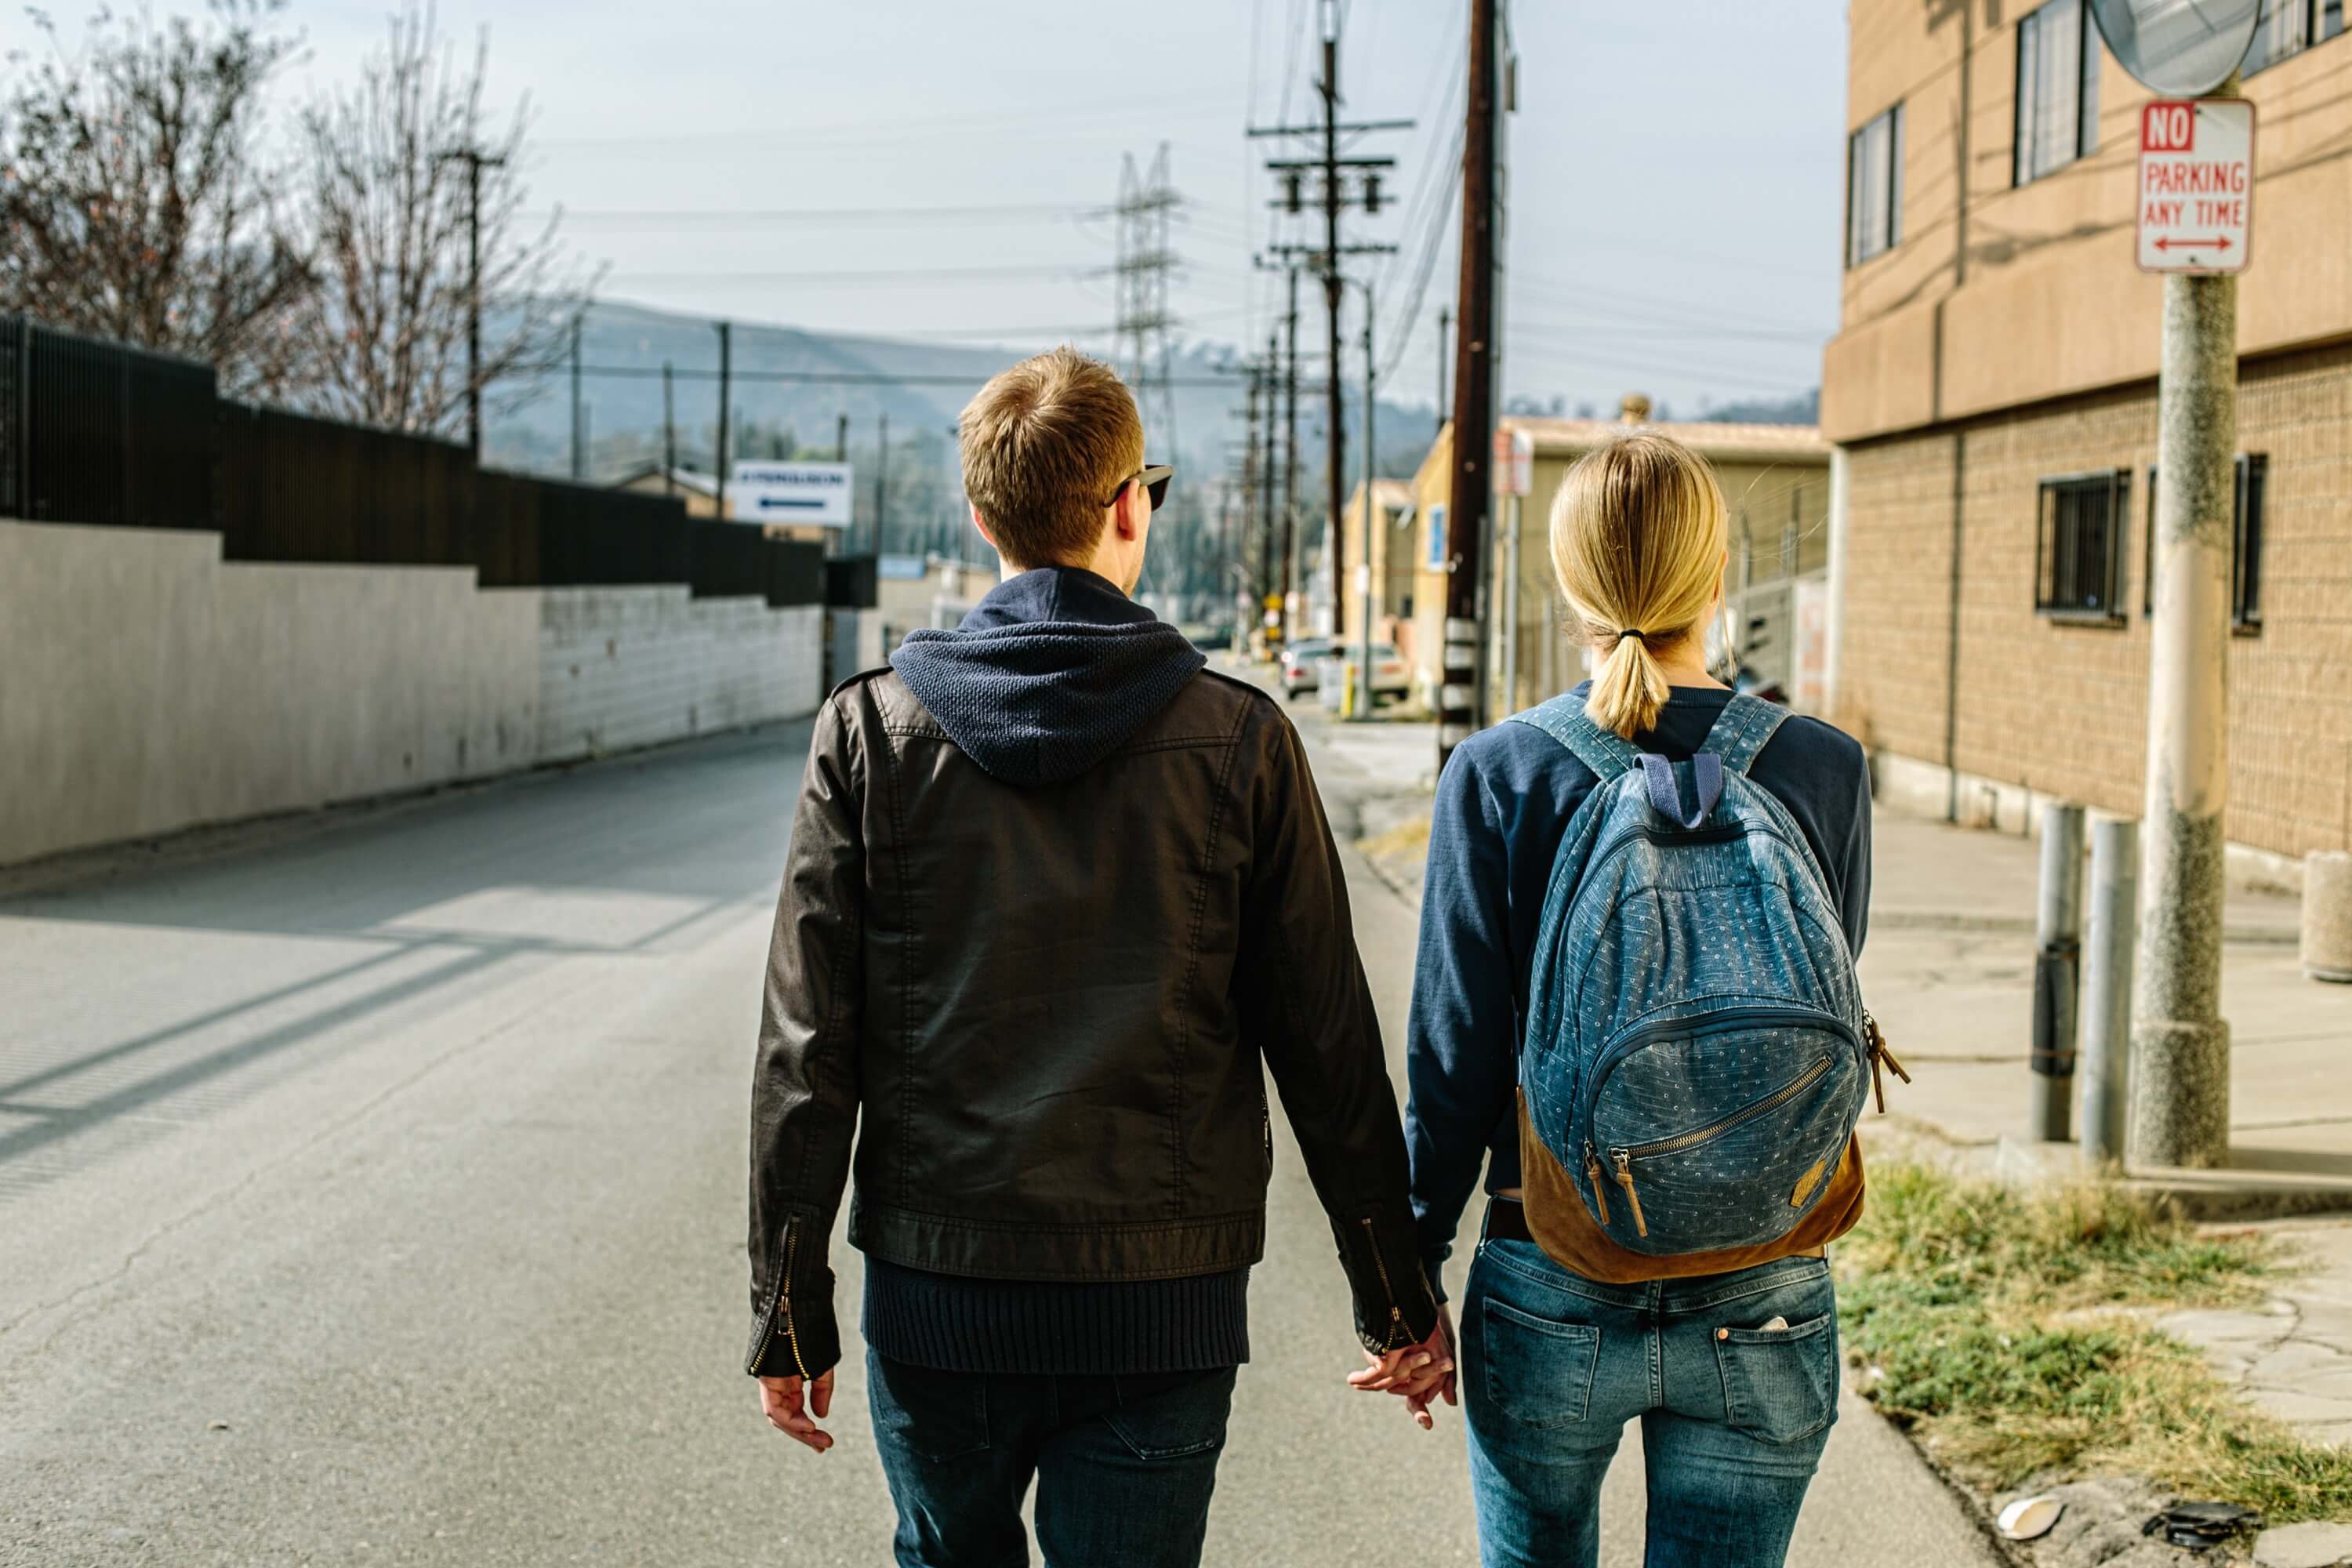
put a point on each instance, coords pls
(1992, 392)
(1391, 597)
(1775, 480)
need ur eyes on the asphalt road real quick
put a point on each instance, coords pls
(373, 1194)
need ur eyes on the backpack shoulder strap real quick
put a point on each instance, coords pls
(1565, 720)
(1747, 723)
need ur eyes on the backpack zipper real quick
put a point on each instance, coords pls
(1878, 1052)
(1592, 1174)
(1624, 1157)
(1396, 1313)
(1626, 1180)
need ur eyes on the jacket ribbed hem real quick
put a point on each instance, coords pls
(950, 1323)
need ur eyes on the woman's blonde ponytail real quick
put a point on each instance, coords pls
(1638, 532)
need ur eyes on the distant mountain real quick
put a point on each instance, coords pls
(1805, 408)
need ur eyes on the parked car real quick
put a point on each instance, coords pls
(1298, 662)
(1390, 680)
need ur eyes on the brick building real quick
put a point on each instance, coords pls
(1992, 395)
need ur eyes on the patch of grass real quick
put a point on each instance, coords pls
(1410, 837)
(2000, 1324)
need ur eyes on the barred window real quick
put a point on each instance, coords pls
(2057, 90)
(2252, 482)
(2079, 545)
(1874, 187)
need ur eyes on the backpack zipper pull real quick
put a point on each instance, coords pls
(1632, 1199)
(1879, 1053)
(1592, 1174)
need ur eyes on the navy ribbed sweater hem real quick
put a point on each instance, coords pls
(950, 1323)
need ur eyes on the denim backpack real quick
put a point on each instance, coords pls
(1696, 1054)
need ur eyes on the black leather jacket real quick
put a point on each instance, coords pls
(1050, 1006)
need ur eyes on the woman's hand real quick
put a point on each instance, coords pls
(1416, 1373)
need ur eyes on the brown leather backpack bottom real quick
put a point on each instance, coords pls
(1565, 1228)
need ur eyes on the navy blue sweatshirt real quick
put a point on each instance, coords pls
(1047, 675)
(1502, 809)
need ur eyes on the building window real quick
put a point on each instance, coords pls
(2079, 546)
(2252, 481)
(1874, 187)
(2057, 90)
(2289, 27)
(1436, 560)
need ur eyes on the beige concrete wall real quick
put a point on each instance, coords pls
(2060, 710)
(148, 686)
(2029, 293)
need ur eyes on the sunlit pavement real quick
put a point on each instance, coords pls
(376, 1195)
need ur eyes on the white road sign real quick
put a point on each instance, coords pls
(2196, 184)
(810, 494)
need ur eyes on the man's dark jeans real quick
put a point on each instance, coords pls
(1124, 1466)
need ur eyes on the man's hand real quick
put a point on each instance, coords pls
(1417, 1372)
(780, 1401)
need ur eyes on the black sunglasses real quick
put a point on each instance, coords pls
(1155, 478)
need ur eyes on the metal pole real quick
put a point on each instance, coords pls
(474, 307)
(725, 374)
(1369, 522)
(1276, 572)
(2180, 1042)
(2057, 971)
(882, 486)
(841, 439)
(1445, 319)
(2105, 1063)
(1467, 496)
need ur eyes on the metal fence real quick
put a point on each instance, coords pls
(98, 433)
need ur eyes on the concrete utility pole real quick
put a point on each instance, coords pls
(2181, 1077)
(475, 159)
(1472, 491)
(726, 376)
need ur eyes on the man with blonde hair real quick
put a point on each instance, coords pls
(1054, 893)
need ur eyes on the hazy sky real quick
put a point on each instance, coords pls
(1676, 165)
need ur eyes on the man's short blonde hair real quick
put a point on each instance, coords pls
(1044, 444)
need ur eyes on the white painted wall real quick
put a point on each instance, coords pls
(147, 686)
(632, 667)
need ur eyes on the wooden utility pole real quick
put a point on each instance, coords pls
(475, 159)
(1445, 319)
(726, 378)
(669, 433)
(1472, 492)
(1290, 453)
(579, 456)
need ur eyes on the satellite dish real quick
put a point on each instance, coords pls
(2178, 48)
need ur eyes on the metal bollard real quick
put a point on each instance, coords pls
(2057, 973)
(2108, 951)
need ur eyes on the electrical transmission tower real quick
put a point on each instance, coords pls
(1147, 262)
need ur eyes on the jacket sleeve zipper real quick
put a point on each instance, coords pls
(1396, 1313)
(782, 1313)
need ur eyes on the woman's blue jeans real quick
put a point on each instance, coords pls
(1734, 1415)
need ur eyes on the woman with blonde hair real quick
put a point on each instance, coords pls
(1556, 1360)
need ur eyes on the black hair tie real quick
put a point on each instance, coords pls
(1642, 637)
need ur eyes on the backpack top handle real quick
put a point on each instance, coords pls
(1665, 791)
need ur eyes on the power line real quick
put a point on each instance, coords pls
(1226, 380)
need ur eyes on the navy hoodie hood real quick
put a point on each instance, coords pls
(1048, 675)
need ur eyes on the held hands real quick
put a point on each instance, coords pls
(1418, 1373)
(780, 1401)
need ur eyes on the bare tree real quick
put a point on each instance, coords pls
(134, 204)
(385, 337)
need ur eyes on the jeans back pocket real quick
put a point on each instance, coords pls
(1780, 1385)
(1538, 1372)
